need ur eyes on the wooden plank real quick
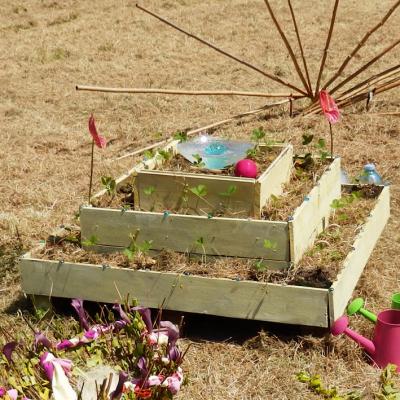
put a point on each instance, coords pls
(220, 236)
(272, 180)
(132, 173)
(222, 297)
(246, 201)
(172, 191)
(311, 217)
(354, 264)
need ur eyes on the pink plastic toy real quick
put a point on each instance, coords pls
(384, 348)
(246, 168)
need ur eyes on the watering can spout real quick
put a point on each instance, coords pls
(341, 326)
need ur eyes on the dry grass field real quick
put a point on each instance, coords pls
(50, 46)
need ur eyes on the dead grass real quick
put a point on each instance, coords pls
(45, 147)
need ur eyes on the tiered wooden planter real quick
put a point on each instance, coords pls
(234, 237)
(216, 296)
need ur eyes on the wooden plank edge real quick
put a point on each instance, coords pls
(352, 268)
(310, 308)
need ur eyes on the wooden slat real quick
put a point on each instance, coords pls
(311, 217)
(132, 173)
(172, 187)
(221, 236)
(353, 266)
(272, 180)
(222, 297)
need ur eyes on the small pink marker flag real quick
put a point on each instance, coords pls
(329, 107)
(99, 140)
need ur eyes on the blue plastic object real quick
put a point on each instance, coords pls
(370, 176)
(216, 153)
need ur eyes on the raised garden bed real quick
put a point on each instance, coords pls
(280, 243)
(181, 191)
(217, 296)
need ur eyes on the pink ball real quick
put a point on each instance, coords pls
(246, 168)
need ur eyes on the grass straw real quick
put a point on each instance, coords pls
(225, 53)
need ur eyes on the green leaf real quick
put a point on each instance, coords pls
(321, 144)
(269, 244)
(181, 136)
(230, 191)
(258, 134)
(307, 139)
(199, 190)
(148, 154)
(92, 241)
(149, 190)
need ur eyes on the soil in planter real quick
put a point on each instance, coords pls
(305, 175)
(318, 268)
(262, 157)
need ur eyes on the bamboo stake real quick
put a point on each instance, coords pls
(204, 128)
(362, 96)
(219, 50)
(365, 66)
(289, 48)
(373, 79)
(300, 45)
(361, 44)
(183, 92)
(370, 86)
(328, 41)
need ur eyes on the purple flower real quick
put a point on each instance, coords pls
(142, 366)
(40, 338)
(122, 313)
(116, 394)
(173, 332)
(145, 313)
(8, 349)
(175, 355)
(83, 317)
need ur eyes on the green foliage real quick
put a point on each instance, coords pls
(315, 385)
(148, 191)
(258, 134)
(166, 155)
(148, 154)
(199, 190)
(387, 388)
(307, 139)
(252, 153)
(270, 245)
(198, 161)
(92, 241)
(181, 136)
(109, 185)
(260, 266)
(230, 191)
(135, 248)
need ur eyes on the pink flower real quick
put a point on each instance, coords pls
(99, 140)
(155, 380)
(329, 107)
(174, 382)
